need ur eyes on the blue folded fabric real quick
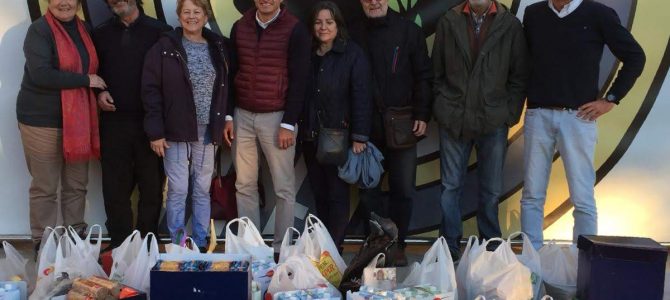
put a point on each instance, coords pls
(364, 169)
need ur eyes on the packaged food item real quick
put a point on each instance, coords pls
(220, 266)
(90, 288)
(78, 295)
(310, 294)
(113, 287)
(328, 268)
(127, 292)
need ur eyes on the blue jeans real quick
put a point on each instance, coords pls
(192, 161)
(545, 131)
(454, 156)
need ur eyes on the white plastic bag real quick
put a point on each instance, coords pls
(137, 273)
(498, 274)
(559, 270)
(318, 245)
(288, 248)
(472, 249)
(75, 259)
(13, 264)
(530, 258)
(375, 275)
(298, 273)
(437, 269)
(46, 262)
(247, 241)
(182, 249)
(124, 255)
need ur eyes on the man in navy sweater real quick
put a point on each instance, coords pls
(566, 40)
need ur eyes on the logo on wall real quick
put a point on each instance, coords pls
(613, 141)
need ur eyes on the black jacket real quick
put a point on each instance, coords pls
(167, 91)
(401, 68)
(121, 50)
(339, 91)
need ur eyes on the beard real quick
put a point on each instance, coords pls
(124, 10)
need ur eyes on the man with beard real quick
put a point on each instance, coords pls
(402, 76)
(127, 160)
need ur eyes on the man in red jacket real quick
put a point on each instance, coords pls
(272, 51)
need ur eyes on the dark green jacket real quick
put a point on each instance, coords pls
(473, 100)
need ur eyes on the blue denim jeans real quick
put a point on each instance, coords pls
(192, 161)
(546, 131)
(454, 156)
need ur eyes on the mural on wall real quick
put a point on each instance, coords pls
(618, 129)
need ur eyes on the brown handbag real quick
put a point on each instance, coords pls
(399, 127)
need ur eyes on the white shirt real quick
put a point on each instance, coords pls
(265, 25)
(567, 9)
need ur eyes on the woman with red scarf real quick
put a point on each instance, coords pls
(57, 115)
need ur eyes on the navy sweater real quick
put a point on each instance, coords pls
(566, 54)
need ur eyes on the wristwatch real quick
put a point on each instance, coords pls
(612, 98)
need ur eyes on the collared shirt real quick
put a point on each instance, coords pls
(567, 9)
(478, 20)
(266, 24)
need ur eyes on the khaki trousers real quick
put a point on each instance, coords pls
(252, 129)
(43, 148)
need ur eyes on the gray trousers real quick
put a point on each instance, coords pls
(251, 131)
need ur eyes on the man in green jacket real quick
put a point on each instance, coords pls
(480, 60)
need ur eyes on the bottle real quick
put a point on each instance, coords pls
(10, 292)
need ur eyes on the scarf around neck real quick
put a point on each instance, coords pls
(81, 140)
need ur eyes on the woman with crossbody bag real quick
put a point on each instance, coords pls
(337, 114)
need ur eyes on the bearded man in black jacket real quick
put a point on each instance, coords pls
(402, 75)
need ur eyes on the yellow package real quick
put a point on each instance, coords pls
(328, 268)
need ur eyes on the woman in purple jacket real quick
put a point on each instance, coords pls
(185, 90)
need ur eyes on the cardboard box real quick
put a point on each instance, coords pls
(201, 285)
(620, 268)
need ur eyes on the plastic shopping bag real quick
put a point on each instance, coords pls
(124, 255)
(497, 274)
(375, 275)
(13, 266)
(137, 273)
(472, 249)
(318, 245)
(530, 258)
(247, 241)
(298, 273)
(46, 262)
(559, 270)
(182, 249)
(288, 248)
(436, 268)
(76, 260)
(91, 250)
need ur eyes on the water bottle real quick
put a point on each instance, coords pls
(10, 292)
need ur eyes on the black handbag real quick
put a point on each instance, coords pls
(332, 145)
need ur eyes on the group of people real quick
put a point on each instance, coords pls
(168, 98)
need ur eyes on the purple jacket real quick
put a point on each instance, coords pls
(167, 91)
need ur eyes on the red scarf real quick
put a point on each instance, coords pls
(81, 140)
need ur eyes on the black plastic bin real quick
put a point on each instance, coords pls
(620, 268)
